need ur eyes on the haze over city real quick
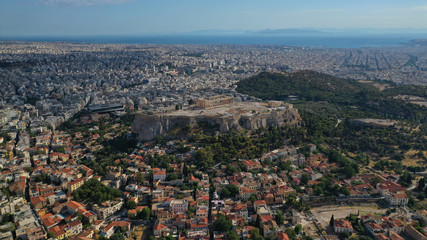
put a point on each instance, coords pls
(118, 17)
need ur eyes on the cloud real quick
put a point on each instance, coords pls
(81, 3)
(420, 8)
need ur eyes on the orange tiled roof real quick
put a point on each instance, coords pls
(74, 205)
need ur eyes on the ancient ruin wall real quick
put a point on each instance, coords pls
(148, 126)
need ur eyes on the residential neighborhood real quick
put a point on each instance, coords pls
(72, 166)
(50, 193)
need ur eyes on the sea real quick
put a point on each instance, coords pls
(240, 39)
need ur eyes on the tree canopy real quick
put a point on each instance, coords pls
(96, 192)
(222, 223)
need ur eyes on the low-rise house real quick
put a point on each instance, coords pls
(59, 195)
(46, 190)
(245, 193)
(58, 232)
(241, 209)
(6, 175)
(251, 165)
(374, 228)
(414, 233)
(341, 226)
(197, 230)
(85, 235)
(74, 185)
(397, 199)
(73, 207)
(6, 206)
(23, 225)
(89, 215)
(395, 236)
(382, 225)
(75, 227)
(268, 225)
(389, 187)
(50, 221)
(164, 216)
(159, 175)
(178, 205)
(97, 224)
(108, 208)
(132, 188)
(282, 236)
(202, 213)
(259, 204)
(109, 230)
(18, 188)
(161, 230)
(39, 202)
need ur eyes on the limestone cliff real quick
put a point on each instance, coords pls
(249, 116)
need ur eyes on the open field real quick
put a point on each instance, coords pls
(413, 99)
(380, 86)
(308, 226)
(323, 214)
(411, 159)
(140, 233)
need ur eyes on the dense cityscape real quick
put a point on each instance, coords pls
(72, 166)
(61, 78)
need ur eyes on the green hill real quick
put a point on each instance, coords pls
(311, 86)
(308, 85)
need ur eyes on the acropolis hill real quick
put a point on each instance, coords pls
(224, 114)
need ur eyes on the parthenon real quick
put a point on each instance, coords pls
(216, 101)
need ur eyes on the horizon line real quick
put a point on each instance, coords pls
(264, 31)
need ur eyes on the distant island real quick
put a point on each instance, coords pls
(418, 42)
(290, 31)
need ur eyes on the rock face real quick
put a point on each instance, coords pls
(147, 126)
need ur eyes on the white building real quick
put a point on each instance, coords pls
(397, 199)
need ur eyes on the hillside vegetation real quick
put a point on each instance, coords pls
(309, 85)
(327, 105)
(346, 93)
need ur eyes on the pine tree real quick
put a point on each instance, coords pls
(421, 185)
(332, 221)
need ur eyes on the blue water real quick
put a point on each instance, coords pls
(243, 39)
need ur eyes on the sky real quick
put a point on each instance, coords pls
(138, 17)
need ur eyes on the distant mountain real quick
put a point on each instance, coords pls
(382, 30)
(289, 31)
(418, 42)
(216, 32)
(417, 33)
(339, 32)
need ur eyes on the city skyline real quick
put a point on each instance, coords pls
(124, 17)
